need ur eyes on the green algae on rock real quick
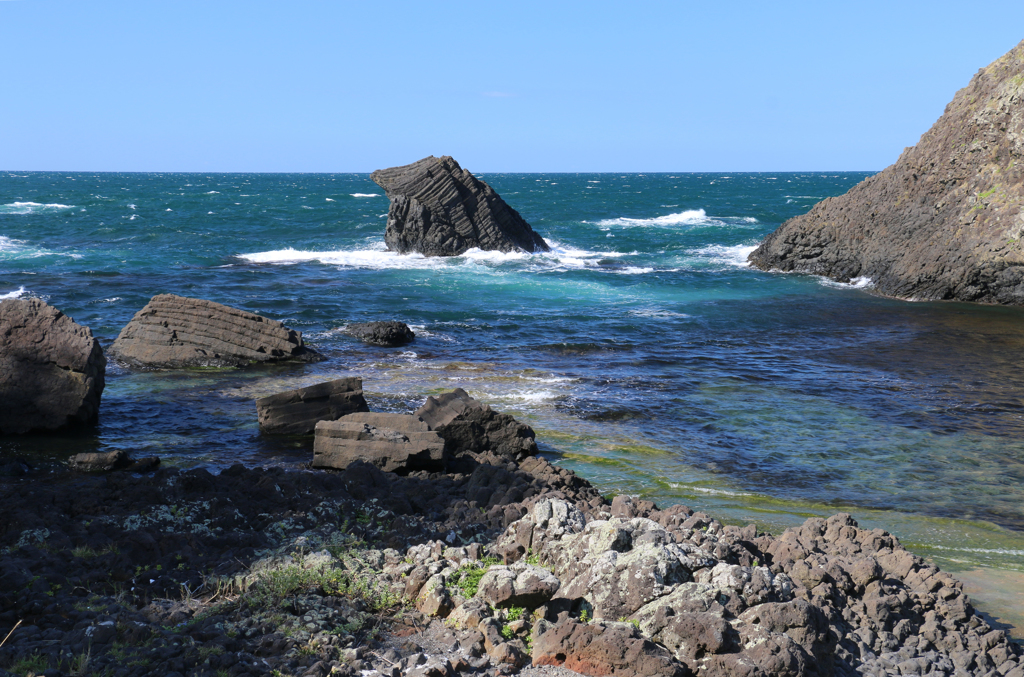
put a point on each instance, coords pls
(944, 222)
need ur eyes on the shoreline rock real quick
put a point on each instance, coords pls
(440, 209)
(387, 334)
(942, 223)
(296, 412)
(52, 370)
(178, 332)
(478, 571)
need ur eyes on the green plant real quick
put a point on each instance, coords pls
(29, 664)
(515, 613)
(80, 663)
(532, 559)
(584, 616)
(507, 632)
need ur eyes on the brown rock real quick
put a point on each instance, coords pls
(176, 332)
(296, 412)
(392, 442)
(51, 369)
(944, 221)
(602, 649)
(469, 425)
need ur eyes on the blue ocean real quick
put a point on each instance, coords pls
(645, 352)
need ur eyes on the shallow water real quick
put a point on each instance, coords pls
(642, 349)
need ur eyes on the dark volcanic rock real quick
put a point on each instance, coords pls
(296, 412)
(392, 442)
(468, 425)
(440, 209)
(602, 649)
(175, 332)
(51, 369)
(388, 334)
(943, 222)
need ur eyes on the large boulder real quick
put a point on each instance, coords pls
(603, 648)
(440, 209)
(469, 425)
(396, 443)
(388, 334)
(944, 221)
(51, 369)
(296, 412)
(176, 332)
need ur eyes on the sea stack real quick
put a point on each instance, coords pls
(440, 209)
(177, 332)
(945, 221)
(51, 369)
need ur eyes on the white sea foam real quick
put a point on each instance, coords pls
(13, 294)
(365, 194)
(855, 283)
(329, 199)
(31, 207)
(708, 490)
(984, 551)
(733, 256)
(213, 192)
(690, 216)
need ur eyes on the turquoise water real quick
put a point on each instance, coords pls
(643, 350)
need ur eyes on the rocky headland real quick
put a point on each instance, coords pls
(945, 221)
(440, 209)
(490, 560)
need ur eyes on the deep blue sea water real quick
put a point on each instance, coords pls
(643, 350)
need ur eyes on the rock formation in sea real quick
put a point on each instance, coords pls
(387, 334)
(51, 369)
(177, 332)
(440, 209)
(467, 424)
(945, 221)
(296, 412)
(397, 443)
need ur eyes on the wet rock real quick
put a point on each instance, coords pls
(602, 649)
(296, 412)
(439, 209)
(51, 369)
(469, 425)
(176, 332)
(392, 442)
(387, 334)
(99, 462)
(944, 221)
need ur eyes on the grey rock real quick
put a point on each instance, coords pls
(944, 221)
(602, 648)
(468, 425)
(97, 462)
(176, 332)
(296, 412)
(51, 369)
(520, 585)
(392, 442)
(387, 334)
(440, 209)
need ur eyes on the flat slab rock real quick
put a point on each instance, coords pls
(51, 369)
(397, 443)
(296, 412)
(440, 209)
(176, 332)
(388, 334)
(944, 221)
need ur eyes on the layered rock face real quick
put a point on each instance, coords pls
(296, 412)
(468, 425)
(392, 442)
(51, 369)
(440, 209)
(945, 221)
(176, 332)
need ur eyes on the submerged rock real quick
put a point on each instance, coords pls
(440, 209)
(51, 369)
(945, 221)
(176, 332)
(296, 412)
(387, 334)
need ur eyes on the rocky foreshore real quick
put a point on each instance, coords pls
(493, 566)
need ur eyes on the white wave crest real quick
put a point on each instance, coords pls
(13, 294)
(855, 283)
(365, 194)
(31, 207)
(213, 192)
(690, 216)
(735, 255)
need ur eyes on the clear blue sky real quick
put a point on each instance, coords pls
(331, 86)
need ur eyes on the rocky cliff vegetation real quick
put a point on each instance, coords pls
(945, 221)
